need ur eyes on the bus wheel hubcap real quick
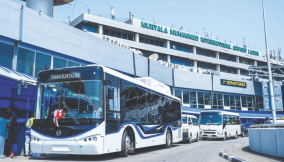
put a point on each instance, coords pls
(127, 142)
(169, 138)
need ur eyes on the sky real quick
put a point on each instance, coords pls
(225, 19)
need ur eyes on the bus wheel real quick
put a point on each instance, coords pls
(168, 139)
(225, 137)
(236, 136)
(190, 139)
(196, 140)
(125, 144)
(243, 134)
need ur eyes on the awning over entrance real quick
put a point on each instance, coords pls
(15, 75)
(243, 114)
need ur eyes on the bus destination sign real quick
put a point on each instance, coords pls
(233, 83)
(72, 75)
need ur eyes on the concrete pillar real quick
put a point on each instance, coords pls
(218, 68)
(217, 55)
(195, 64)
(15, 56)
(100, 29)
(239, 71)
(136, 37)
(194, 50)
(254, 63)
(51, 62)
(169, 59)
(168, 43)
(238, 59)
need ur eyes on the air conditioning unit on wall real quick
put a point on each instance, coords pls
(172, 65)
(166, 64)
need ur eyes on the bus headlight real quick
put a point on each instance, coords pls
(89, 139)
(220, 133)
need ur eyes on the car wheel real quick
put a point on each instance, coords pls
(225, 137)
(168, 139)
(236, 136)
(125, 144)
(243, 134)
(190, 139)
(196, 140)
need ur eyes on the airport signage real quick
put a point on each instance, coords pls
(241, 49)
(256, 53)
(184, 35)
(153, 27)
(74, 75)
(165, 30)
(233, 83)
(216, 43)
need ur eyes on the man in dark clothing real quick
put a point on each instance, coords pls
(9, 115)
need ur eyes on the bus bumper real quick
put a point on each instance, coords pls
(71, 146)
(211, 134)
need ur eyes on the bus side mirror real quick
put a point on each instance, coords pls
(110, 93)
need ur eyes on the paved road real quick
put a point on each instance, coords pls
(202, 151)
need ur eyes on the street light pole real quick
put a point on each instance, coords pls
(269, 71)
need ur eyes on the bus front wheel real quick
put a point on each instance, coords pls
(125, 144)
(168, 139)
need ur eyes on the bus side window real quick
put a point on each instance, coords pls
(233, 120)
(228, 119)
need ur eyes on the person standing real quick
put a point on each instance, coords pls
(10, 116)
(29, 124)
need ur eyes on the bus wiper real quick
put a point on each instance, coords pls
(68, 110)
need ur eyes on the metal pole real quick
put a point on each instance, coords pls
(269, 71)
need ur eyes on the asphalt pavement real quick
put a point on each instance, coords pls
(202, 151)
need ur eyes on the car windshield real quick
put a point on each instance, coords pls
(210, 119)
(79, 99)
(184, 120)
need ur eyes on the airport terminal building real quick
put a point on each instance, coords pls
(31, 42)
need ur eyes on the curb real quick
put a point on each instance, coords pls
(223, 154)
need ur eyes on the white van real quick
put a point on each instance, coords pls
(190, 128)
(219, 124)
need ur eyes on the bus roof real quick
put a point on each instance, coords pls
(143, 81)
(222, 112)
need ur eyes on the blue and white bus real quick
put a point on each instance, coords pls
(95, 110)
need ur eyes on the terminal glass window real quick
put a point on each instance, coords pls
(178, 93)
(244, 101)
(220, 101)
(186, 97)
(42, 60)
(244, 72)
(227, 57)
(181, 61)
(238, 102)
(246, 61)
(6, 55)
(180, 47)
(226, 69)
(206, 53)
(207, 99)
(25, 62)
(200, 100)
(259, 102)
(250, 103)
(203, 65)
(193, 99)
(59, 63)
(232, 102)
(226, 100)
(147, 40)
(70, 64)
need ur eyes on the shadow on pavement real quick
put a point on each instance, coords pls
(248, 150)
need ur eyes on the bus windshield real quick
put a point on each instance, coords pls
(76, 99)
(184, 120)
(210, 119)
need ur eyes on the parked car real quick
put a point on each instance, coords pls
(190, 128)
(245, 128)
